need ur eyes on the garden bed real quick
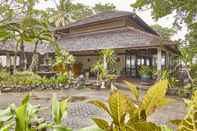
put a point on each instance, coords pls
(26, 88)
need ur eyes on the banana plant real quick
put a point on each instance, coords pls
(131, 114)
(22, 118)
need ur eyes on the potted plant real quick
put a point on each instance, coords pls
(145, 72)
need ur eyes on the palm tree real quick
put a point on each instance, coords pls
(62, 14)
(108, 57)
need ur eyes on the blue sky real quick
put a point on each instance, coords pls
(125, 6)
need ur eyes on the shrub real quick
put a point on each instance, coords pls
(145, 70)
(189, 123)
(27, 78)
(4, 75)
(129, 115)
(25, 117)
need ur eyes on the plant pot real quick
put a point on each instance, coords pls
(145, 77)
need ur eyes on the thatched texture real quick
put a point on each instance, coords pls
(107, 16)
(116, 39)
(28, 47)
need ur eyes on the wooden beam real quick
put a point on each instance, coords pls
(159, 57)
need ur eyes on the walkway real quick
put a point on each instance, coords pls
(80, 113)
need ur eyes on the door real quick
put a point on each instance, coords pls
(130, 65)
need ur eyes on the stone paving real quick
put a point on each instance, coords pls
(80, 113)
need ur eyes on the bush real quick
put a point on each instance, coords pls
(27, 78)
(145, 70)
(4, 75)
(130, 114)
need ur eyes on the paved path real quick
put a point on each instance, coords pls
(80, 113)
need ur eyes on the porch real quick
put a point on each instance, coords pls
(129, 61)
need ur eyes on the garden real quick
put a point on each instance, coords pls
(65, 101)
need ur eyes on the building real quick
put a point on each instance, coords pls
(134, 42)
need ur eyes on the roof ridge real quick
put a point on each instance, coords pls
(93, 16)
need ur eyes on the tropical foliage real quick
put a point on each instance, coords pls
(131, 114)
(27, 78)
(98, 8)
(100, 70)
(145, 70)
(185, 13)
(25, 116)
(22, 118)
(108, 57)
(165, 33)
(189, 123)
(66, 11)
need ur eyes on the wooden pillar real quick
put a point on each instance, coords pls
(167, 59)
(25, 62)
(159, 57)
(8, 60)
(105, 66)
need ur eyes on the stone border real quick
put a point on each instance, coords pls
(26, 88)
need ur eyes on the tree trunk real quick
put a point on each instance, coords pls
(22, 56)
(15, 58)
(34, 61)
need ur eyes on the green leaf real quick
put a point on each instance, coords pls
(91, 128)
(56, 110)
(99, 104)
(25, 99)
(133, 89)
(164, 101)
(117, 104)
(21, 118)
(7, 126)
(143, 126)
(61, 128)
(5, 115)
(176, 122)
(165, 128)
(103, 124)
(154, 95)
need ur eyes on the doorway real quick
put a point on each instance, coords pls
(133, 61)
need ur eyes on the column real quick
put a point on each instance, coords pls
(159, 57)
(8, 60)
(167, 60)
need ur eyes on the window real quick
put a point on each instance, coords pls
(3, 61)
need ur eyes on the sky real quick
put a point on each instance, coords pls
(124, 5)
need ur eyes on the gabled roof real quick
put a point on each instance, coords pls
(114, 39)
(100, 17)
(107, 16)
